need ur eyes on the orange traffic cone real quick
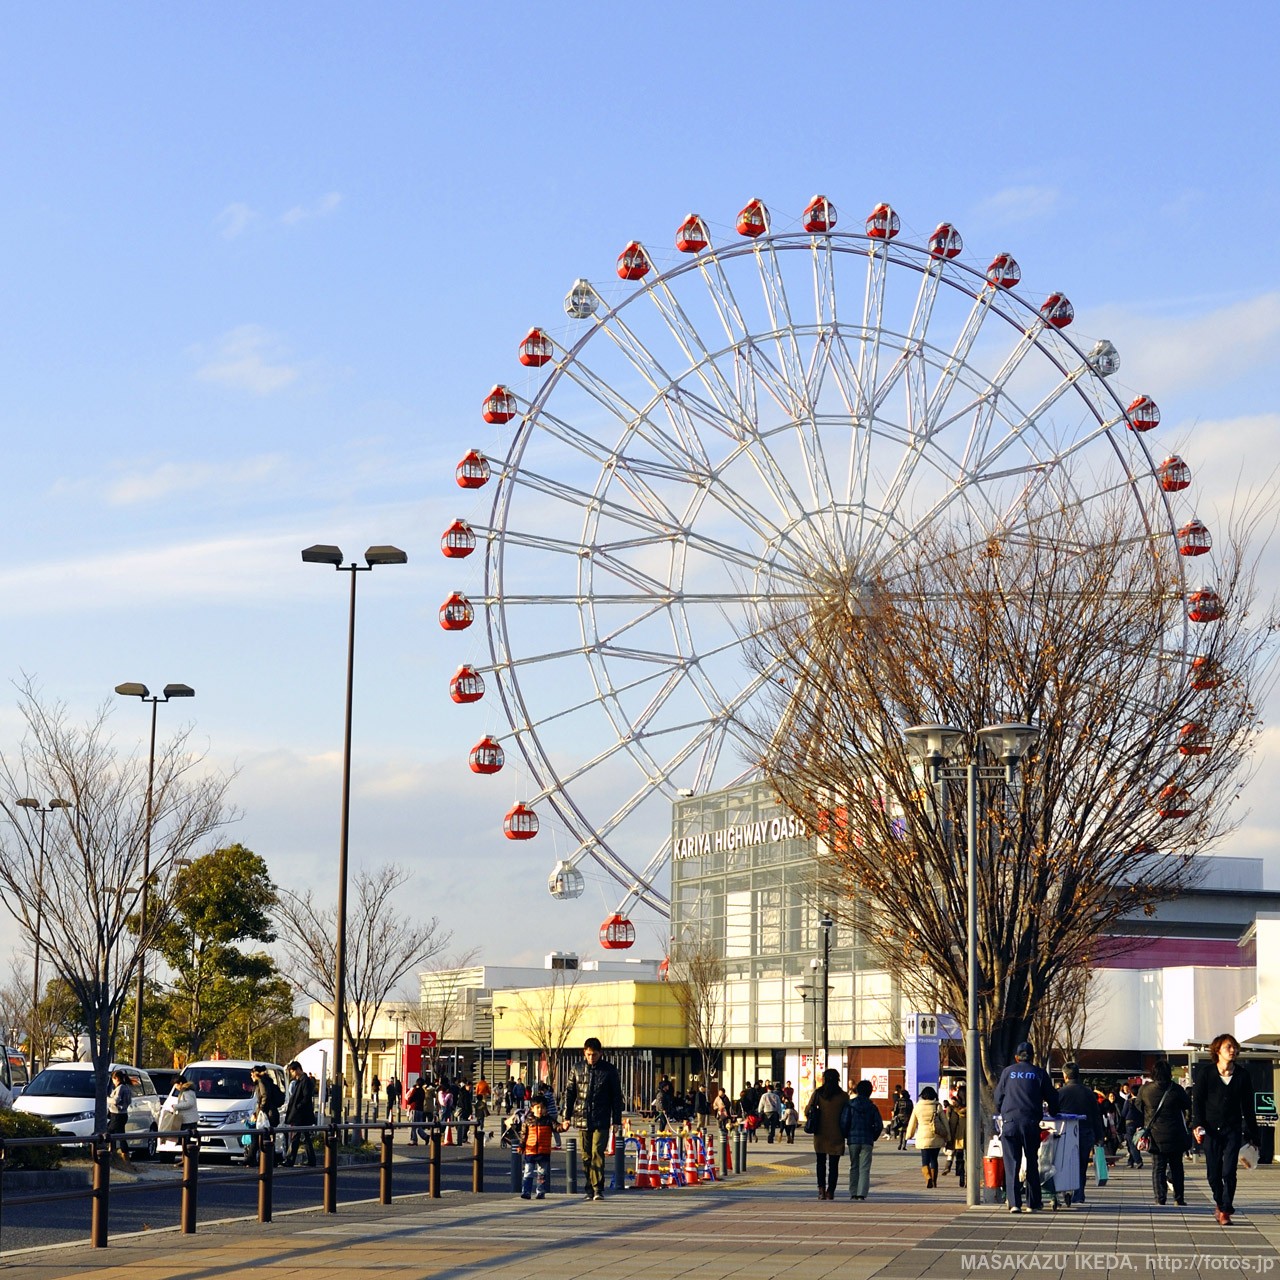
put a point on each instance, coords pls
(448, 1135)
(611, 1148)
(690, 1164)
(712, 1173)
(644, 1180)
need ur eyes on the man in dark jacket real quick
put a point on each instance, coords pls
(594, 1101)
(1021, 1096)
(862, 1126)
(300, 1110)
(1075, 1099)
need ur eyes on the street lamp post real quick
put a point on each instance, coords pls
(826, 922)
(134, 690)
(28, 803)
(324, 554)
(939, 747)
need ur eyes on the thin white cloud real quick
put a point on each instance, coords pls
(1019, 204)
(235, 220)
(1163, 353)
(248, 359)
(168, 478)
(322, 208)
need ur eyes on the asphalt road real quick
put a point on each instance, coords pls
(229, 1191)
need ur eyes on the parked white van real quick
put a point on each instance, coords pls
(64, 1094)
(225, 1100)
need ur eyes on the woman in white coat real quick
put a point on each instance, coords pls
(928, 1126)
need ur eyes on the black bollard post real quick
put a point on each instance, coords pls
(516, 1172)
(266, 1171)
(190, 1181)
(571, 1165)
(477, 1159)
(101, 1193)
(433, 1167)
(331, 1169)
(722, 1139)
(384, 1168)
(619, 1163)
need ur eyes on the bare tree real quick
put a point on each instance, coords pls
(697, 976)
(382, 946)
(440, 1005)
(86, 887)
(1063, 620)
(549, 1015)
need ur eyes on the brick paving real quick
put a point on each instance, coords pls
(762, 1225)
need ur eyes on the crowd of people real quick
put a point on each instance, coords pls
(1157, 1122)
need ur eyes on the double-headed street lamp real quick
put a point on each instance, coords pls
(322, 554)
(131, 689)
(941, 748)
(36, 807)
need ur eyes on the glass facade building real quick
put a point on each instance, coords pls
(746, 885)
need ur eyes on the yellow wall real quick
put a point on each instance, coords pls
(623, 1015)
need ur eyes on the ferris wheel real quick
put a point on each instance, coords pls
(699, 434)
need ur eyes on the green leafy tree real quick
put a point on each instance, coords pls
(221, 899)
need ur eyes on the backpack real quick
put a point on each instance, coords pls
(274, 1095)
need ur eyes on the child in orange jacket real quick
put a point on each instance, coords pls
(535, 1147)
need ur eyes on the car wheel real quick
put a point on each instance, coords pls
(150, 1144)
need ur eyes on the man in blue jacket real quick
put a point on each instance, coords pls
(1022, 1094)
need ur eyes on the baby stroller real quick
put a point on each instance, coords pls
(510, 1136)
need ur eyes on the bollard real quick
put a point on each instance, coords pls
(722, 1142)
(620, 1163)
(331, 1169)
(190, 1180)
(101, 1193)
(571, 1165)
(477, 1159)
(433, 1165)
(384, 1168)
(266, 1170)
(516, 1172)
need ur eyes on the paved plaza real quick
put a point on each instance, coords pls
(768, 1223)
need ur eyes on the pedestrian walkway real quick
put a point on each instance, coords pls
(758, 1226)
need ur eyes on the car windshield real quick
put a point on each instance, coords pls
(226, 1083)
(57, 1082)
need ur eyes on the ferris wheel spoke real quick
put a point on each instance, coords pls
(989, 405)
(635, 421)
(779, 309)
(909, 357)
(727, 407)
(957, 361)
(662, 525)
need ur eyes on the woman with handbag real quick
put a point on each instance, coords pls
(824, 1118)
(1222, 1102)
(1164, 1130)
(931, 1130)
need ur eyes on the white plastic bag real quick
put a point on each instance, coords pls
(1249, 1155)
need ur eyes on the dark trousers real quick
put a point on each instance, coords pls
(771, 1123)
(1221, 1155)
(116, 1124)
(1018, 1140)
(302, 1139)
(957, 1164)
(1131, 1144)
(1166, 1166)
(594, 1144)
(828, 1172)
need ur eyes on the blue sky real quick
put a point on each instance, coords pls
(264, 261)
